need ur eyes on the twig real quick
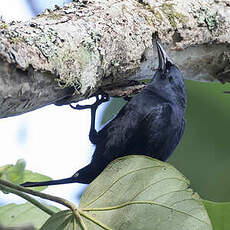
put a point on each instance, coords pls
(28, 198)
(59, 200)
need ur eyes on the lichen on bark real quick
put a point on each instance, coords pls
(89, 45)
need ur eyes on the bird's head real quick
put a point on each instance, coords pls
(168, 79)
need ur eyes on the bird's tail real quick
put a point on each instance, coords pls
(50, 182)
(84, 176)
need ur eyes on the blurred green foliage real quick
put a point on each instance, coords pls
(203, 155)
(219, 213)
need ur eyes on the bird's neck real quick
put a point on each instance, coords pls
(167, 94)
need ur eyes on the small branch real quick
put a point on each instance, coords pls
(56, 199)
(28, 198)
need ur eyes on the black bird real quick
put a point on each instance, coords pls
(151, 123)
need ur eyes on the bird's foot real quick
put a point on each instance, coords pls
(100, 98)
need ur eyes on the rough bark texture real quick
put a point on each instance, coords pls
(89, 45)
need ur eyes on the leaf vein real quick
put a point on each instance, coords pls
(144, 202)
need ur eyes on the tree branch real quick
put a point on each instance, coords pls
(75, 51)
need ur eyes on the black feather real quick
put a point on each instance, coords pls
(151, 123)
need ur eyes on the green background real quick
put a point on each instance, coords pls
(203, 154)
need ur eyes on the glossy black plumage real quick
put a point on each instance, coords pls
(151, 123)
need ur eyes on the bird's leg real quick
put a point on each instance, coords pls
(92, 136)
(93, 132)
(99, 100)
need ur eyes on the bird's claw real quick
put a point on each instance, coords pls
(104, 98)
(100, 98)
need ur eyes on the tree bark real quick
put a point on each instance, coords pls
(70, 53)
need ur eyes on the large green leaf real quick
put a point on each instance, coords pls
(13, 215)
(138, 192)
(17, 174)
(219, 214)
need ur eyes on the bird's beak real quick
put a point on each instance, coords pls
(163, 57)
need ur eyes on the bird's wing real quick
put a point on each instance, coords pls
(118, 131)
(132, 124)
(164, 127)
